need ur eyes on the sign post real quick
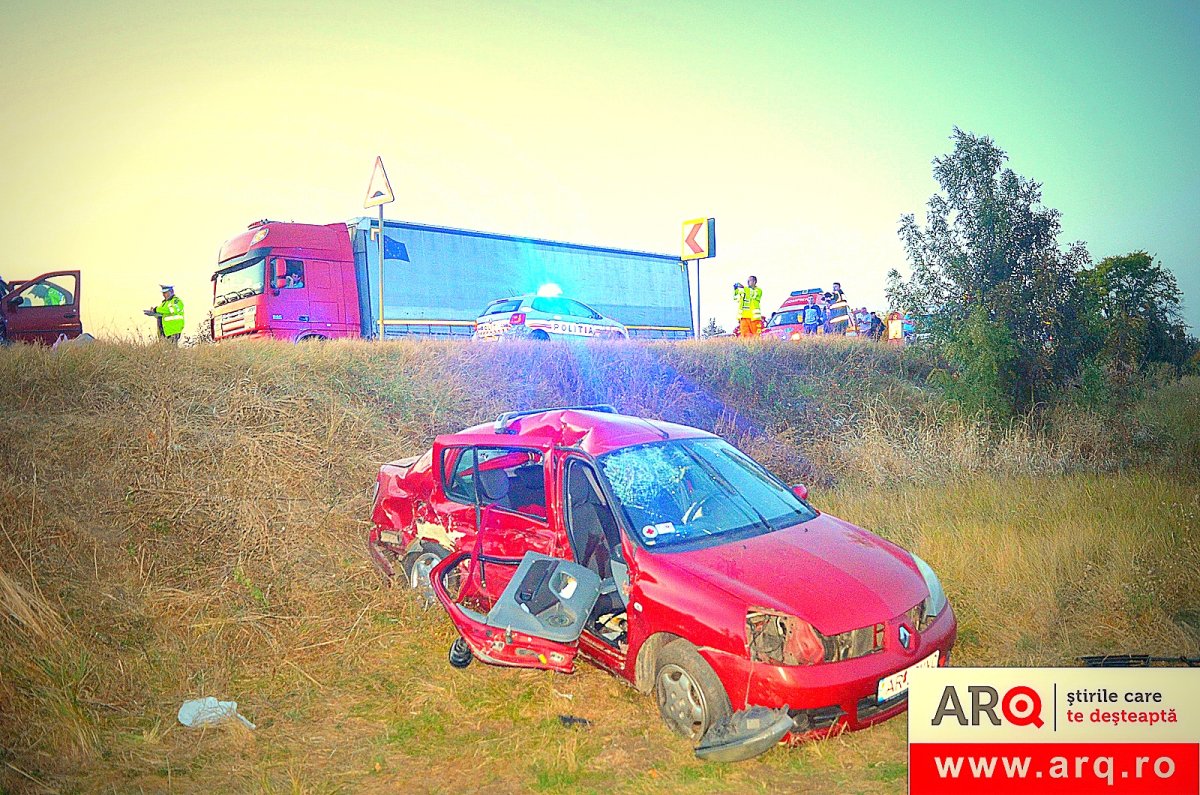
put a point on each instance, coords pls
(379, 193)
(699, 242)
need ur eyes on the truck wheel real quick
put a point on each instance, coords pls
(690, 696)
(540, 336)
(418, 564)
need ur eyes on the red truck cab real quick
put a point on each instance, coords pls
(287, 281)
(43, 310)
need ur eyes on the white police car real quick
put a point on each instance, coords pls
(542, 317)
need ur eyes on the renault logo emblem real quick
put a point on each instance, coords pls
(905, 636)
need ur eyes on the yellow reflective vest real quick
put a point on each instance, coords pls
(749, 301)
(170, 315)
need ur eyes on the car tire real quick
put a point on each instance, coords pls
(539, 335)
(690, 696)
(417, 565)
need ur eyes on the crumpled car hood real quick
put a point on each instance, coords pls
(828, 572)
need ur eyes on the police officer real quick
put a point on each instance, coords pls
(749, 303)
(169, 314)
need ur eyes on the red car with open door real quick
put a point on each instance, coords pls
(669, 558)
(44, 309)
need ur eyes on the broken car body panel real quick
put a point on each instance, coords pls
(791, 609)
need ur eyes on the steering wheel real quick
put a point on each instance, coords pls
(696, 507)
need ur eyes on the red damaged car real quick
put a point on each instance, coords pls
(669, 558)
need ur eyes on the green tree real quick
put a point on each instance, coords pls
(989, 251)
(1139, 308)
(983, 352)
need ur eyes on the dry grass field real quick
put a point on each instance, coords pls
(180, 523)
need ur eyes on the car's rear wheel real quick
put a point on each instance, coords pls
(418, 564)
(690, 696)
(540, 336)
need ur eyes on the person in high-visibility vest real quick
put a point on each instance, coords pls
(749, 307)
(839, 310)
(169, 314)
(895, 328)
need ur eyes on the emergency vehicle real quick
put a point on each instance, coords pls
(787, 323)
(545, 317)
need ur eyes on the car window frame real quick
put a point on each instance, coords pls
(478, 500)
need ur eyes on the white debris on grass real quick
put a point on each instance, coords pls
(208, 711)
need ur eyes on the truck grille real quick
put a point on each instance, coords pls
(236, 322)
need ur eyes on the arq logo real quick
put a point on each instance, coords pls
(1021, 706)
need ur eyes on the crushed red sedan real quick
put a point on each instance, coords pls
(666, 556)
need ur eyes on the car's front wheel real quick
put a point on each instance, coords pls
(418, 564)
(690, 696)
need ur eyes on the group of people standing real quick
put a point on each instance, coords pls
(827, 313)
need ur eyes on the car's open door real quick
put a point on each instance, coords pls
(534, 623)
(44, 309)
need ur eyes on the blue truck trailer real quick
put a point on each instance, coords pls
(305, 281)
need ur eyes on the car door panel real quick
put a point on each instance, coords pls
(30, 319)
(537, 620)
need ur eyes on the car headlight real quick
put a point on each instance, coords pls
(937, 596)
(786, 640)
(782, 639)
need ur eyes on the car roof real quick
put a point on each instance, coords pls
(594, 431)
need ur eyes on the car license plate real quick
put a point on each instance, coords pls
(897, 683)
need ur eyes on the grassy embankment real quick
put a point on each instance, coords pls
(185, 523)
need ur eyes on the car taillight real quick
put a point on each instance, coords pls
(795, 335)
(517, 319)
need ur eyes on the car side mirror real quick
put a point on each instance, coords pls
(280, 269)
(800, 490)
(14, 301)
(280, 283)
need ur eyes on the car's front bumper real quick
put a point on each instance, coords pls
(833, 697)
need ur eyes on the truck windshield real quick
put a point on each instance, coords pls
(675, 492)
(241, 282)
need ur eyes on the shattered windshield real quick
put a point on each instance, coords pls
(675, 492)
(241, 282)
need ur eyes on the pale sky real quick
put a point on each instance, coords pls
(136, 137)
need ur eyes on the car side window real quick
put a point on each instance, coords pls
(513, 479)
(458, 476)
(59, 291)
(580, 310)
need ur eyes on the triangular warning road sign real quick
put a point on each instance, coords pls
(380, 190)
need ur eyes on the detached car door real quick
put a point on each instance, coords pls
(534, 623)
(45, 309)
